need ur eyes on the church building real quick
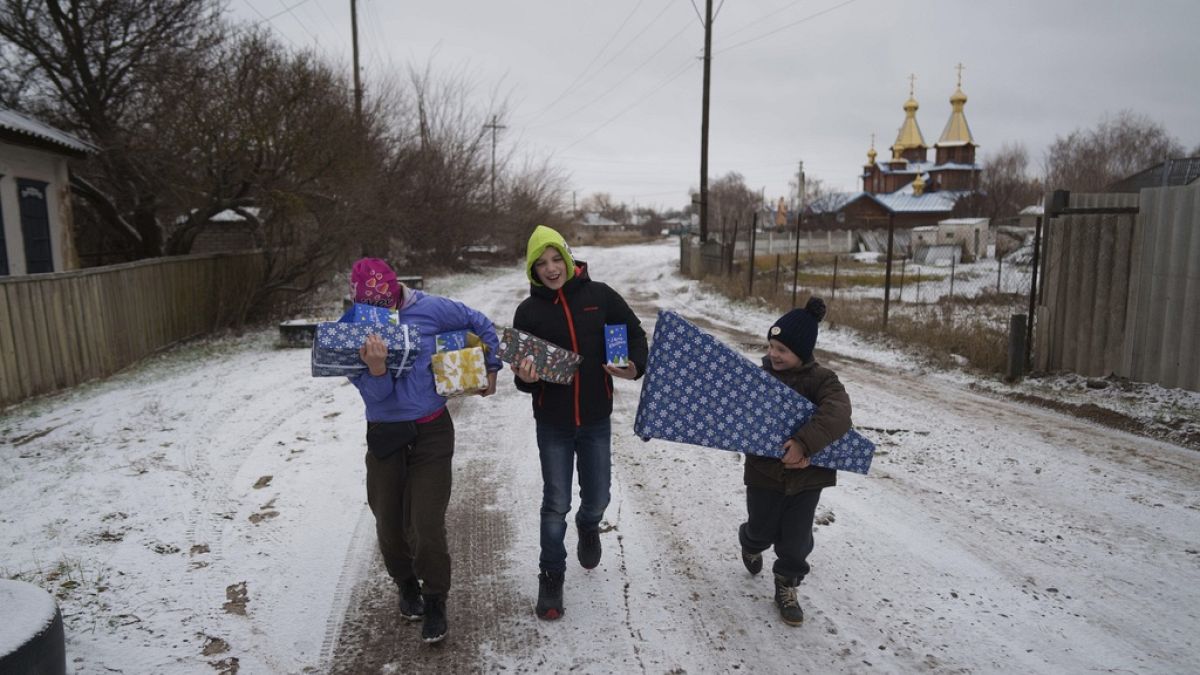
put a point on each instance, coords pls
(909, 189)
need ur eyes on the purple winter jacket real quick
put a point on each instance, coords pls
(413, 395)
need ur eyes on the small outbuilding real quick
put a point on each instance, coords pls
(36, 226)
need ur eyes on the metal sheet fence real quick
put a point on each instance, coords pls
(1162, 325)
(58, 330)
(1121, 292)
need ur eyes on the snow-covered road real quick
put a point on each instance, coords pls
(204, 511)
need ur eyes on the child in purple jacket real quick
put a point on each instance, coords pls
(410, 442)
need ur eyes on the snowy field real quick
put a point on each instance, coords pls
(204, 511)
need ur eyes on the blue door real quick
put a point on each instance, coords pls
(35, 226)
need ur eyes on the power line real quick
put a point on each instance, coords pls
(581, 75)
(762, 18)
(666, 43)
(810, 17)
(267, 19)
(296, 17)
(631, 106)
(281, 12)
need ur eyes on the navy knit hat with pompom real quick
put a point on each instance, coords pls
(798, 329)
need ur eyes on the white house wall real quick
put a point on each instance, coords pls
(22, 162)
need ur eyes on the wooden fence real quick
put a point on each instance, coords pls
(58, 330)
(1120, 292)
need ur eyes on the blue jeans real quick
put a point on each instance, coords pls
(589, 448)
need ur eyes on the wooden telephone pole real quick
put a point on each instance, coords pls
(494, 127)
(708, 19)
(358, 93)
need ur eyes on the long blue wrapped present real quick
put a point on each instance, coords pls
(335, 348)
(697, 390)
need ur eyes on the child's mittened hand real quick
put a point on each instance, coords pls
(793, 455)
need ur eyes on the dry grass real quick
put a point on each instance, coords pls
(816, 271)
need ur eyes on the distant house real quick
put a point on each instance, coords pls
(678, 225)
(908, 207)
(594, 222)
(36, 227)
(227, 231)
(951, 238)
(1029, 215)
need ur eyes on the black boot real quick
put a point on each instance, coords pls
(411, 606)
(434, 628)
(752, 561)
(550, 595)
(785, 600)
(589, 548)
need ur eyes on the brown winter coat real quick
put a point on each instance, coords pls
(830, 422)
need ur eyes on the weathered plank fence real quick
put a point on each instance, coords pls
(1121, 287)
(58, 330)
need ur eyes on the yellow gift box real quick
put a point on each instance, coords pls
(460, 372)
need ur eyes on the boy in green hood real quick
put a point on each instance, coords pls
(567, 308)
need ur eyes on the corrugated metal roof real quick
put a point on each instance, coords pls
(27, 126)
(1182, 171)
(930, 202)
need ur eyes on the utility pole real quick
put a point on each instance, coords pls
(494, 128)
(799, 218)
(708, 13)
(358, 93)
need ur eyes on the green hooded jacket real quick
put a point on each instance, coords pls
(542, 238)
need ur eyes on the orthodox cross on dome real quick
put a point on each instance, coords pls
(912, 85)
(960, 67)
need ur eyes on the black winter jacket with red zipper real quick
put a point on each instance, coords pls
(573, 317)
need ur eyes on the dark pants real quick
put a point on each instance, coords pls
(408, 492)
(784, 522)
(588, 450)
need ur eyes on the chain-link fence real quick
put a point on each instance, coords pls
(960, 310)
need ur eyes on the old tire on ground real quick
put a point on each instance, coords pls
(31, 631)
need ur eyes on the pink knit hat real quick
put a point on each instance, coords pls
(374, 283)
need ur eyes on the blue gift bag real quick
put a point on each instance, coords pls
(699, 391)
(335, 348)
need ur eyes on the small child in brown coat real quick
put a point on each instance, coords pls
(782, 494)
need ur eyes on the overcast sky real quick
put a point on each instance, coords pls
(611, 90)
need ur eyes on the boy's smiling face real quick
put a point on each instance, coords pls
(551, 269)
(780, 356)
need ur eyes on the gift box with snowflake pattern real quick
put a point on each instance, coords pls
(697, 390)
(335, 348)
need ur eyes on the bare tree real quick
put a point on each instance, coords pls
(1007, 185)
(438, 166)
(96, 69)
(533, 195)
(604, 204)
(1091, 159)
(730, 201)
